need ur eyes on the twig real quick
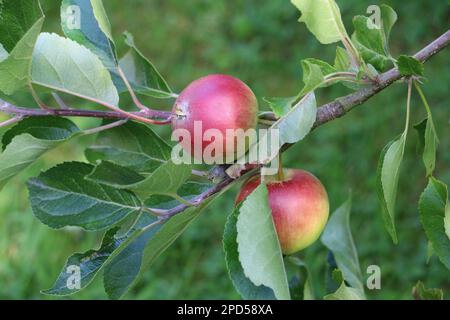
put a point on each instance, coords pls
(131, 91)
(60, 101)
(105, 127)
(10, 121)
(9, 108)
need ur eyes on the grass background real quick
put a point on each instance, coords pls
(260, 42)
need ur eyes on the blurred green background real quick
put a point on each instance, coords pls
(261, 42)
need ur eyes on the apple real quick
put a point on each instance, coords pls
(299, 206)
(215, 103)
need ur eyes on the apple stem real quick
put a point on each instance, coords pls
(280, 167)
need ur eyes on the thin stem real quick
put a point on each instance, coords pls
(156, 212)
(60, 101)
(199, 173)
(183, 201)
(131, 91)
(105, 127)
(36, 98)
(129, 114)
(152, 225)
(422, 96)
(339, 74)
(354, 55)
(280, 167)
(408, 105)
(10, 121)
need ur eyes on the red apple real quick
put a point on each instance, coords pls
(299, 206)
(217, 102)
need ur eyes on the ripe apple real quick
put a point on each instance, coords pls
(216, 103)
(299, 206)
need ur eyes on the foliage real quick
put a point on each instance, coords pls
(136, 168)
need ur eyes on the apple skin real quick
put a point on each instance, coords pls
(300, 208)
(220, 102)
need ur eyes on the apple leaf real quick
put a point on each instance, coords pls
(134, 146)
(337, 237)
(300, 285)
(314, 72)
(86, 22)
(147, 245)
(23, 19)
(389, 18)
(410, 66)
(370, 41)
(323, 19)
(260, 256)
(62, 197)
(420, 292)
(280, 106)
(142, 74)
(28, 140)
(428, 142)
(342, 60)
(63, 65)
(345, 293)
(434, 211)
(88, 263)
(244, 286)
(92, 262)
(387, 181)
(165, 180)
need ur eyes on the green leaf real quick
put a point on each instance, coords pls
(434, 215)
(370, 41)
(94, 30)
(280, 106)
(28, 140)
(62, 64)
(114, 175)
(129, 265)
(410, 66)
(258, 246)
(62, 197)
(297, 124)
(337, 237)
(133, 145)
(428, 142)
(342, 61)
(142, 74)
(421, 293)
(92, 262)
(23, 19)
(88, 263)
(345, 293)
(323, 19)
(293, 127)
(165, 180)
(387, 181)
(389, 17)
(17, 16)
(244, 286)
(420, 128)
(301, 285)
(314, 72)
